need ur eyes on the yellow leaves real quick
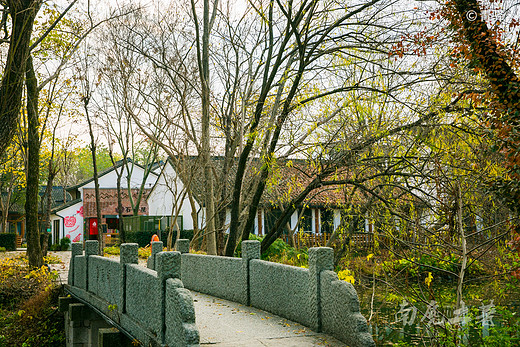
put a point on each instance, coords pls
(346, 276)
(369, 256)
(428, 280)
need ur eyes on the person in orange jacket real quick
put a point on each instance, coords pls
(154, 239)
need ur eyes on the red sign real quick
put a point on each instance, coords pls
(70, 221)
(93, 226)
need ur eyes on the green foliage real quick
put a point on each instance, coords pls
(82, 159)
(439, 264)
(28, 315)
(2, 249)
(507, 333)
(143, 238)
(113, 250)
(143, 252)
(281, 252)
(65, 244)
(8, 241)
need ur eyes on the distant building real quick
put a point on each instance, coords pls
(77, 220)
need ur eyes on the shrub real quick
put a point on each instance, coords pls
(143, 238)
(280, 252)
(27, 305)
(438, 263)
(18, 282)
(113, 250)
(8, 241)
(65, 244)
(2, 249)
(144, 252)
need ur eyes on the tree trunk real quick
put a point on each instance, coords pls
(46, 222)
(121, 224)
(33, 170)
(464, 247)
(194, 219)
(487, 53)
(203, 63)
(22, 13)
(96, 181)
(4, 206)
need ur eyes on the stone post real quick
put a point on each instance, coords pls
(320, 259)
(77, 249)
(91, 248)
(157, 246)
(128, 255)
(168, 265)
(182, 246)
(250, 251)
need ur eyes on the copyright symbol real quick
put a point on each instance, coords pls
(471, 15)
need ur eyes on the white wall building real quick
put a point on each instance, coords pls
(77, 218)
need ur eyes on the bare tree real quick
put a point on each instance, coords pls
(23, 14)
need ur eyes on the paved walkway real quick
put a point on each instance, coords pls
(224, 323)
(229, 324)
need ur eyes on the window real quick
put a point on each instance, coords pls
(326, 221)
(271, 216)
(306, 220)
(56, 232)
(355, 223)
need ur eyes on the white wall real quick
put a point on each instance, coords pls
(71, 222)
(162, 198)
(337, 218)
(109, 180)
(294, 220)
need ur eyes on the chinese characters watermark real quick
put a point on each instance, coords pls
(432, 316)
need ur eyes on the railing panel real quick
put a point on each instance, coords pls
(179, 315)
(80, 271)
(340, 311)
(103, 273)
(281, 289)
(222, 277)
(142, 291)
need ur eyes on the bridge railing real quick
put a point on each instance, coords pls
(151, 305)
(314, 297)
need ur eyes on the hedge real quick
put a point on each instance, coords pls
(143, 238)
(8, 241)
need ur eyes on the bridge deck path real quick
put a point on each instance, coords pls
(224, 323)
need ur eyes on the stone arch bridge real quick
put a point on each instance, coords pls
(118, 302)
